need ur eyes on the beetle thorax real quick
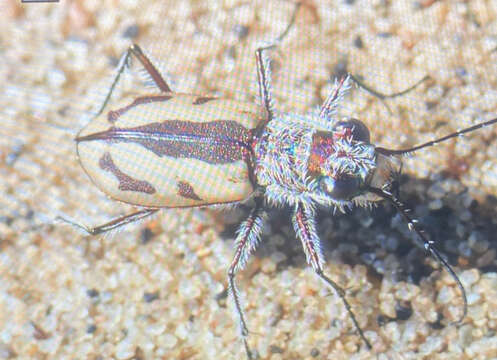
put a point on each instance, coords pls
(282, 153)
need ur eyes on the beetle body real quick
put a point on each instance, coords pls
(172, 150)
(183, 150)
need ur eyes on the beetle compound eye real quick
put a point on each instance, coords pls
(343, 188)
(357, 129)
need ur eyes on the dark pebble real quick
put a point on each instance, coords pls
(149, 297)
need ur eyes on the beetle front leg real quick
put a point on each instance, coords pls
(113, 224)
(382, 97)
(329, 108)
(248, 236)
(303, 223)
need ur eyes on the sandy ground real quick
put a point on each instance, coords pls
(156, 290)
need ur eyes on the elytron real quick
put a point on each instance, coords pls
(169, 150)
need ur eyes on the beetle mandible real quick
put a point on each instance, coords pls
(182, 155)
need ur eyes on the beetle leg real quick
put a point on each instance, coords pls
(329, 108)
(264, 71)
(264, 81)
(113, 224)
(149, 68)
(248, 236)
(303, 223)
(382, 96)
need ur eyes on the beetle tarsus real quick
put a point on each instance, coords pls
(382, 96)
(111, 225)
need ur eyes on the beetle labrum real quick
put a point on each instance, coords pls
(168, 150)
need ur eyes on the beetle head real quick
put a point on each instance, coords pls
(344, 164)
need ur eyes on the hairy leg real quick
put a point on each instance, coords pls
(303, 222)
(246, 241)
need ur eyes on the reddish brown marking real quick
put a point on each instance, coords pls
(234, 180)
(186, 190)
(150, 68)
(202, 100)
(302, 223)
(126, 182)
(113, 115)
(215, 142)
(299, 216)
(321, 149)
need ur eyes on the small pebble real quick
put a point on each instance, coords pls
(149, 297)
(478, 242)
(358, 43)
(469, 277)
(436, 191)
(169, 341)
(241, 31)
(464, 249)
(91, 329)
(125, 349)
(131, 31)
(92, 293)
(436, 204)
(486, 259)
(403, 312)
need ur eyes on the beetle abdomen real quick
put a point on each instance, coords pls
(172, 150)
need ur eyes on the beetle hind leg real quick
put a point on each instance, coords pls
(113, 224)
(329, 108)
(150, 68)
(248, 237)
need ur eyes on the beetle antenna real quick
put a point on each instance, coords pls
(428, 244)
(436, 141)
